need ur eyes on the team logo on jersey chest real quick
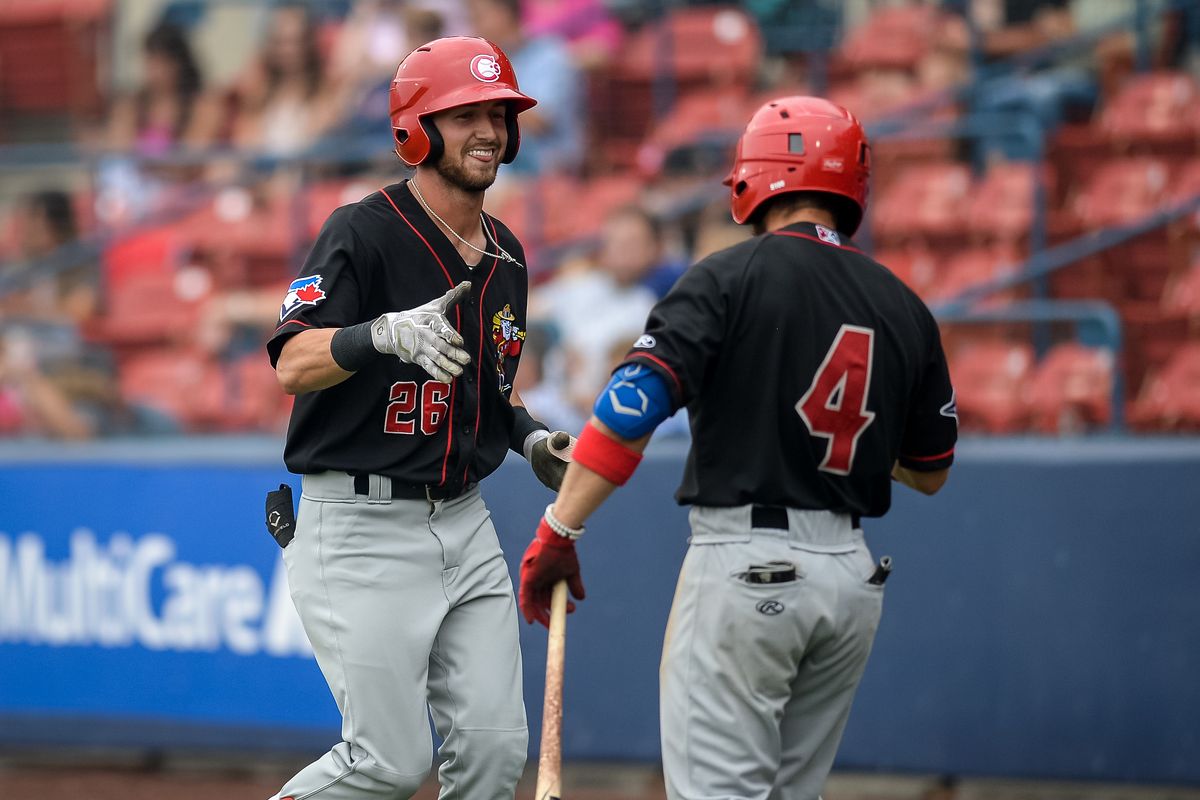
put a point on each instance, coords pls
(302, 292)
(508, 339)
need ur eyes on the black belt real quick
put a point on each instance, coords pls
(400, 491)
(776, 517)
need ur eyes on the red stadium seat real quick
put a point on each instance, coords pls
(153, 308)
(714, 46)
(1071, 390)
(915, 264)
(1002, 204)
(893, 37)
(989, 378)
(179, 382)
(968, 268)
(925, 200)
(1182, 294)
(1122, 191)
(1170, 400)
(1156, 109)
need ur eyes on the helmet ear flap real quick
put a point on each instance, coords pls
(514, 134)
(436, 145)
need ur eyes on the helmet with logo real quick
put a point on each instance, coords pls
(801, 144)
(445, 73)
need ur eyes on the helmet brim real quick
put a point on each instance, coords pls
(482, 93)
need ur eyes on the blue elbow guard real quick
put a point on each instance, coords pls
(635, 402)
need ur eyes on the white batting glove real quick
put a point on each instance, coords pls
(423, 336)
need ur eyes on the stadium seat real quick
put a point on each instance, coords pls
(989, 377)
(892, 37)
(713, 45)
(1170, 399)
(1181, 297)
(152, 308)
(179, 382)
(1156, 111)
(1071, 390)
(915, 264)
(965, 269)
(1122, 191)
(1001, 206)
(925, 200)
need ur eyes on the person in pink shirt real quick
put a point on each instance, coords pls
(590, 32)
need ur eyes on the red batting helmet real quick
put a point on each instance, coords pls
(801, 144)
(455, 71)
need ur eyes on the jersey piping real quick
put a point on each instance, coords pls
(797, 235)
(458, 320)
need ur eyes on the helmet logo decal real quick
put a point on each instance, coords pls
(777, 185)
(832, 165)
(485, 68)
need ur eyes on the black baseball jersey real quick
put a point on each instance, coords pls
(807, 369)
(384, 253)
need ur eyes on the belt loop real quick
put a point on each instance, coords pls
(379, 489)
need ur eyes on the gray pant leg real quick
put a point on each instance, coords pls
(475, 692)
(726, 676)
(824, 688)
(753, 704)
(366, 580)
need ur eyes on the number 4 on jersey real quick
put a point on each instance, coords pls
(835, 405)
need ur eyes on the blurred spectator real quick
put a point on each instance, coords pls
(376, 37)
(171, 106)
(551, 132)
(633, 251)
(72, 399)
(1015, 26)
(169, 109)
(286, 102)
(36, 287)
(590, 32)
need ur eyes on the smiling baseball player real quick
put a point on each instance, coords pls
(813, 377)
(400, 340)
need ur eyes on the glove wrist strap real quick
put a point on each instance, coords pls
(352, 347)
(524, 426)
(558, 528)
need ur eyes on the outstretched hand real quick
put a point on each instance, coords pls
(423, 336)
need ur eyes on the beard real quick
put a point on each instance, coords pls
(458, 176)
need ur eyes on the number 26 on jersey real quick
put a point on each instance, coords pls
(835, 405)
(403, 412)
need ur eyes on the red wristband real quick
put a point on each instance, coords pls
(546, 535)
(606, 457)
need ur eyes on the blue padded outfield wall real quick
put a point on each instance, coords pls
(1043, 619)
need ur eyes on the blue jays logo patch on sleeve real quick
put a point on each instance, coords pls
(303, 292)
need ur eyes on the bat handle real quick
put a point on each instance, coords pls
(549, 782)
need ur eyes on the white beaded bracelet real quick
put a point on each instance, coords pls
(559, 528)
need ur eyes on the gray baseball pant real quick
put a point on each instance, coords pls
(410, 611)
(757, 679)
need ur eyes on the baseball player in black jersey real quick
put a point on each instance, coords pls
(400, 339)
(813, 378)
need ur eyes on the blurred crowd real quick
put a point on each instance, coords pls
(137, 286)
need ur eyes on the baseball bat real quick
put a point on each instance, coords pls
(549, 779)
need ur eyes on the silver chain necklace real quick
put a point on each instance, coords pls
(482, 223)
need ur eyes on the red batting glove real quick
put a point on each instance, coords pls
(549, 559)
